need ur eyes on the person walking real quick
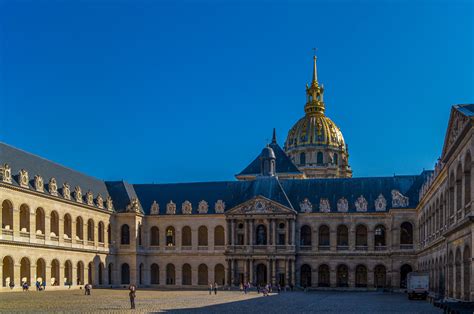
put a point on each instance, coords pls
(215, 288)
(132, 296)
(210, 288)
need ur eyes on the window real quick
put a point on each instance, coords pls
(154, 236)
(125, 234)
(261, 235)
(324, 235)
(305, 236)
(406, 233)
(319, 158)
(342, 236)
(170, 236)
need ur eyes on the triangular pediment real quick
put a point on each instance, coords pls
(260, 205)
(458, 121)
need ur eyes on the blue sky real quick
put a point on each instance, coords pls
(154, 91)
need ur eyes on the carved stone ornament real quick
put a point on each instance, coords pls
(90, 198)
(99, 201)
(306, 206)
(219, 207)
(24, 178)
(187, 208)
(155, 208)
(109, 203)
(361, 204)
(171, 208)
(78, 194)
(457, 124)
(134, 206)
(39, 186)
(398, 199)
(324, 205)
(53, 187)
(66, 191)
(6, 173)
(380, 203)
(342, 205)
(203, 207)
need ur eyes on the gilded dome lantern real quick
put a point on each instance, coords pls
(315, 143)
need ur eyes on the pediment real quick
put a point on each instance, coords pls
(260, 205)
(457, 124)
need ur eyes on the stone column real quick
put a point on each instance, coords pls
(269, 272)
(232, 231)
(287, 272)
(252, 240)
(315, 243)
(314, 277)
(352, 238)
(194, 275)
(228, 272)
(32, 225)
(370, 278)
(274, 242)
(273, 272)
(48, 270)
(246, 232)
(61, 230)
(293, 232)
(350, 277)
(246, 268)
(16, 224)
(251, 271)
(370, 240)
(332, 276)
(16, 273)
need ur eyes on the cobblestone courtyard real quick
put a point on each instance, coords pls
(201, 302)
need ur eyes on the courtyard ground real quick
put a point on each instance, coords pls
(115, 301)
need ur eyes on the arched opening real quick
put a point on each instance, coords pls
(305, 236)
(302, 158)
(170, 274)
(101, 274)
(186, 275)
(380, 276)
(202, 236)
(7, 215)
(155, 274)
(80, 273)
(361, 237)
(24, 218)
(140, 273)
(25, 271)
(203, 275)
(67, 227)
(467, 179)
(79, 229)
(342, 276)
(361, 276)
(54, 224)
(219, 236)
(459, 203)
(451, 275)
(467, 272)
(219, 274)
(323, 276)
(319, 158)
(100, 232)
(324, 237)
(262, 274)
(68, 273)
(186, 236)
(125, 274)
(7, 270)
(170, 237)
(40, 270)
(125, 234)
(139, 234)
(90, 273)
(281, 234)
(305, 274)
(90, 230)
(406, 235)
(154, 236)
(379, 237)
(404, 271)
(261, 235)
(342, 237)
(110, 270)
(458, 263)
(109, 234)
(40, 221)
(55, 273)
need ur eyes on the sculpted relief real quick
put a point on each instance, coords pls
(361, 204)
(342, 205)
(398, 199)
(306, 206)
(380, 203)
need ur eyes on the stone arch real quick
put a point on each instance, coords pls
(79, 228)
(342, 275)
(380, 276)
(55, 273)
(80, 273)
(25, 271)
(186, 236)
(219, 236)
(68, 273)
(100, 232)
(155, 274)
(125, 274)
(342, 235)
(154, 236)
(361, 236)
(170, 274)
(54, 223)
(202, 236)
(40, 221)
(8, 271)
(67, 227)
(40, 270)
(219, 274)
(324, 276)
(7, 215)
(305, 276)
(203, 276)
(361, 276)
(324, 236)
(467, 272)
(125, 234)
(186, 275)
(305, 236)
(24, 218)
(405, 269)
(170, 237)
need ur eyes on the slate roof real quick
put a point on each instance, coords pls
(35, 165)
(121, 193)
(466, 109)
(282, 161)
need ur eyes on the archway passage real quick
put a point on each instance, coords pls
(202, 275)
(155, 274)
(342, 276)
(68, 273)
(219, 274)
(186, 275)
(380, 276)
(125, 274)
(40, 270)
(55, 273)
(361, 276)
(404, 271)
(323, 276)
(305, 276)
(170, 274)
(261, 274)
(25, 271)
(7, 269)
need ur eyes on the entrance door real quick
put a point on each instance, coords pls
(261, 274)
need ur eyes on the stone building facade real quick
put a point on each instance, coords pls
(275, 224)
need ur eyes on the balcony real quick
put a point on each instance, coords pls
(306, 247)
(343, 247)
(54, 238)
(380, 248)
(361, 247)
(406, 246)
(91, 243)
(24, 234)
(202, 248)
(170, 248)
(186, 248)
(324, 247)
(219, 247)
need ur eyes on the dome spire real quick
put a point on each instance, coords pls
(314, 93)
(315, 70)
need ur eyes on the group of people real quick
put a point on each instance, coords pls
(213, 287)
(244, 287)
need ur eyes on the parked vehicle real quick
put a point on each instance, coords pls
(418, 285)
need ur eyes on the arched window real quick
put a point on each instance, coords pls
(361, 276)
(80, 273)
(324, 237)
(219, 236)
(40, 221)
(305, 236)
(380, 276)
(125, 234)
(8, 270)
(305, 276)
(170, 237)
(379, 237)
(7, 215)
(154, 236)
(25, 271)
(67, 227)
(336, 159)
(302, 158)
(79, 229)
(319, 158)
(342, 276)
(406, 235)
(323, 276)
(54, 224)
(219, 274)
(55, 272)
(90, 230)
(467, 179)
(186, 236)
(155, 274)
(109, 234)
(101, 232)
(68, 273)
(202, 275)
(261, 235)
(202, 236)
(125, 274)
(24, 218)
(361, 237)
(170, 274)
(342, 237)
